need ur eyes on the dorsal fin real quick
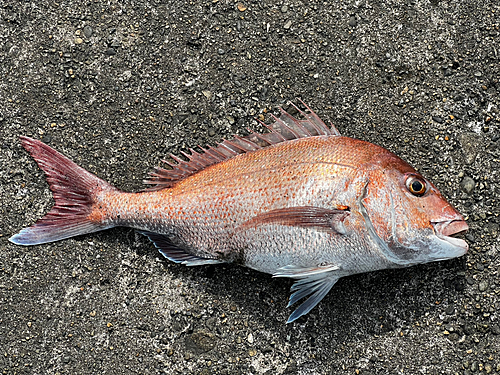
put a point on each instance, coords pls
(283, 129)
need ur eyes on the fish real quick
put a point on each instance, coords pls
(300, 202)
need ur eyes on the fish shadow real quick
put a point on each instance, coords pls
(358, 307)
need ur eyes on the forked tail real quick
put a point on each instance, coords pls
(75, 193)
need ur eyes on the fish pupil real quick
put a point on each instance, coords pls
(417, 187)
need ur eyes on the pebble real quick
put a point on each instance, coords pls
(450, 310)
(459, 286)
(110, 51)
(495, 329)
(470, 144)
(284, 8)
(220, 51)
(238, 25)
(483, 285)
(470, 237)
(87, 31)
(207, 94)
(438, 119)
(468, 185)
(352, 21)
(250, 338)
(288, 25)
(200, 342)
(267, 349)
(78, 41)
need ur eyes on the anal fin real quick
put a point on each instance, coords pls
(174, 253)
(314, 282)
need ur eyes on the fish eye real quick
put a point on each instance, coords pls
(416, 185)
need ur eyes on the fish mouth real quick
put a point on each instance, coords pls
(449, 230)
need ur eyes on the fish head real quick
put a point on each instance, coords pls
(410, 219)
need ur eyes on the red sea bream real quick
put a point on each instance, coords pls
(300, 202)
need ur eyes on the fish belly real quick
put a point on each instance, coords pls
(268, 248)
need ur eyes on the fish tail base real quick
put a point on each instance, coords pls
(74, 190)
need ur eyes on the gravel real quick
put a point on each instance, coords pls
(117, 86)
(468, 185)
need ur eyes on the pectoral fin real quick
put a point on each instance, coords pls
(314, 282)
(303, 216)
(174, 253)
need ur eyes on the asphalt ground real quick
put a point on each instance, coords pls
(118, 85)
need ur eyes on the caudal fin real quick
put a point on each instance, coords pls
(74, 190)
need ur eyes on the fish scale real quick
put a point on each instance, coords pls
(299, 202)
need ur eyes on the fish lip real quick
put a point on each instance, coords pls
(445, 230)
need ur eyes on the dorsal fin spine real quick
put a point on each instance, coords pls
(216, 152)
(272, 131)
(193, 155)
(177, 159)
(233, 144)
(312, 115)
(168, 163)
(228, 149)
(253, 145)
(189, 157)
(319, 131)
(211, 153)
(282, 123)
(297, 123)
(283, 129)
(259, 136)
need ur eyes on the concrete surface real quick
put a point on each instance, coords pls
(117, 85)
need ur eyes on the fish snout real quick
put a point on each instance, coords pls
(448, 230)
(451, 227)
